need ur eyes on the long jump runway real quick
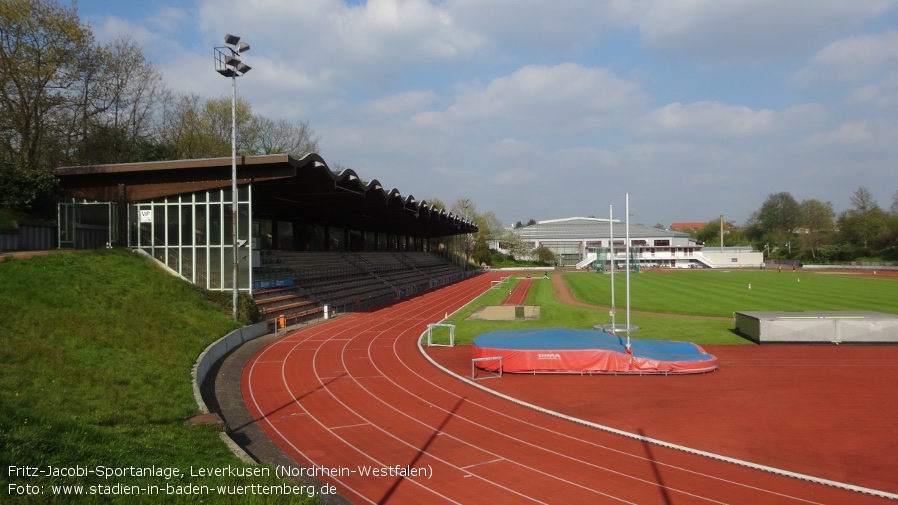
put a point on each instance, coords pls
(355, 399)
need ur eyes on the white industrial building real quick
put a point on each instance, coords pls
(586, 242)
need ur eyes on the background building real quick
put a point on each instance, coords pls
(585, 242)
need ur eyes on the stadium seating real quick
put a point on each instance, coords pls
(344, 281)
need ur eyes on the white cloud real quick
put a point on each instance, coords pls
(714, 120)
(400, 105)
(515, 177)
(746, 31)
(363, 46)
(537, 100)
(857, 136)
(852, 59)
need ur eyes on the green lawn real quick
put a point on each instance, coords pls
(694, 293)
(95, 371)
(722, 292)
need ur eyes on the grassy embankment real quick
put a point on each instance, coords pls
(95, 371)
(694, 293)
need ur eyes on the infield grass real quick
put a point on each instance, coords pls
(696, 295)
(722, 292)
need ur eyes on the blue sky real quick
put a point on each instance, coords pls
(544, 110)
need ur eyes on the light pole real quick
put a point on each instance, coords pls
(228, 64)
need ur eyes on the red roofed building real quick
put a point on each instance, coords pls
(685, 227)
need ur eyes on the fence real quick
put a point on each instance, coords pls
(28, 237)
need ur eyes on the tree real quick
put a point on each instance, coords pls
(512, 242)
(464, 208)
(817, 218)
(120, 107)
(489, 225)
(544, 255)
(864, 207)
(26, 190)
(281, 137)
(894, 208)
(436, 203)
(708, 234)
(857, 229)
(44, 52)
(43, 49)
(198, 128)
(481, 251)
(779, 214)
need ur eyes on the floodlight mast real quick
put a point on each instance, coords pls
(228, 64)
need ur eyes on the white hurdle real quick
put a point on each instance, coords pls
(490, 374)
(430, 328)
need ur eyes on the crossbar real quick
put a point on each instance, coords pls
(490, 373)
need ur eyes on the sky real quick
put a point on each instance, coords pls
(545, 110)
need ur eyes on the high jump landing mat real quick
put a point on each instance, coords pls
(560, 350)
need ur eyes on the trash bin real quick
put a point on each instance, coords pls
(327, 311)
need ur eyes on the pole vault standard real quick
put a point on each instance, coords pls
(627, 262)
(611, 254)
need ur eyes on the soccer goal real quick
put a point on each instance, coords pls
(493, 371)
(440, 335)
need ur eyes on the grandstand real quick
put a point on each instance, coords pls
(309, 240)
(347, 281)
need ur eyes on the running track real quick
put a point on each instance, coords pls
(518, 295)
(357, 392)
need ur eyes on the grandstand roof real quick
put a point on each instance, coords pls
(584, 228)
(305, 189)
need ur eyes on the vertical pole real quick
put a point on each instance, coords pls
(611, 253)
(627, 246)
(234, 189)
(721, 233)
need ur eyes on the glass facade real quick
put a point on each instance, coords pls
(192, 234)
(567, 253)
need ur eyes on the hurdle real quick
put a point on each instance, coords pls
(430, 328)
(490, 374)
(502, 280)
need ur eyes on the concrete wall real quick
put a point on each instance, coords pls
(218, 350)
(726, 259)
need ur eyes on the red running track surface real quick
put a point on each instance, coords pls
(356, 393)
(518, 295)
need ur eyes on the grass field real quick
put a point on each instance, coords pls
(95, 371)
(690, 293)
(722, 292)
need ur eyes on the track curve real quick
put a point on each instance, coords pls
(355, 395)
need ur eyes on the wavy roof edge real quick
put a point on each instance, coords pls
(311, 161)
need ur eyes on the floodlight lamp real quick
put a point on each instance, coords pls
(232, 61)
(242, 47)
(231, 39)
(227, 72)
(243, 67)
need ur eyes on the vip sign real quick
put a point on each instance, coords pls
(146, 216)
